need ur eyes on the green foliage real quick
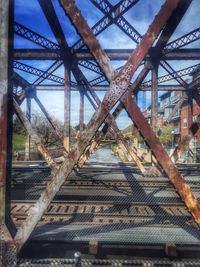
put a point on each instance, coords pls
(18, 142)
(166, 134)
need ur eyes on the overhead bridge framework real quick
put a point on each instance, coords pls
(153, 50)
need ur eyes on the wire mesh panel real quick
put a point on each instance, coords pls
(111, 263)
(110, 202)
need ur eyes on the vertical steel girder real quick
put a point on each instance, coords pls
(67, 110)
(7, 245)
(81, 112)
(28, 138)
(117, 88)
(4, 13)
(154, 96)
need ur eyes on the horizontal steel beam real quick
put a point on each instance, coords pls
(47, 87)
(113, 54)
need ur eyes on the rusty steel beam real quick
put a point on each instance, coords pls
(7, 245)
(28, 138)
(67, 110)
(36, 139)
(81, 112)
(4, 18)
(162, 157)
(103, 88)
(117, 88)
(113, 54)
(88, 36)
(154, 96)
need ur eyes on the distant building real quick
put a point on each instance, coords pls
(183, 116)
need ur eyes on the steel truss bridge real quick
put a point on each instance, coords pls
(69, 196)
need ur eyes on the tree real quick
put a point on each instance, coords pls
(45, 130)
(166, 134)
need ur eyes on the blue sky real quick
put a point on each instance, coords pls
(140, 16)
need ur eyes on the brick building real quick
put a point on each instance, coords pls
(181, 119)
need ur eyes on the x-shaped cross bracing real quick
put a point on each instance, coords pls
(119, 84)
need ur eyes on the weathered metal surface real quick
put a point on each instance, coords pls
(81, 111)
(8, 251)
(36, 139)
(100, 88)
(154, 96)
(87, 35)
(4, 13)
(117, 89)
(161, 155)
(113, 54)
(28, 138)
(67, 110)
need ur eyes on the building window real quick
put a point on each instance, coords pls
(185, 123)
(194, 118)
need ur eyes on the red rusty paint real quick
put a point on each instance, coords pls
(87, 34)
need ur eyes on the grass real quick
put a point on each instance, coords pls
(18, 142)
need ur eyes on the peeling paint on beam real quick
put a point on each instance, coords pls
(88, 36)
(4, 14)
